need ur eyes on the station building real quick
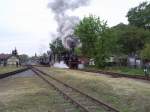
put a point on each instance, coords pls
(9, 59)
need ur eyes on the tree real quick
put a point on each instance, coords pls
(78, 51)
(23, 58)
(133, 40)
(140, 15)
(145, 53)
(88, 31)
(116, 35)
(130, 39)
(57, 48)
(93, 35)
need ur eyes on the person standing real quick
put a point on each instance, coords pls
(146, 72)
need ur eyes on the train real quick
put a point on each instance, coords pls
(70, 60)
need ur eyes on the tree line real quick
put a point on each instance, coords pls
(100, 42)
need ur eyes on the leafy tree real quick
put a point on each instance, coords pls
(23, 58)
(57, 48)
(145, 53)
(106, 47)
(140, 15)
(116, 35)
(94, 37)
(130, 39)
(88, 31)
(78, 51)
(133, 40)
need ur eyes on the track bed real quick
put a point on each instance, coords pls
(82, 100)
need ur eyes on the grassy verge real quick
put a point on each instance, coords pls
(127, 95)
(30, 94)
(123, 70)
(8, 69)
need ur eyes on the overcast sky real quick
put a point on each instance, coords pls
(28, 24)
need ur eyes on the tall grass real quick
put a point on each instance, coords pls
(128, 95)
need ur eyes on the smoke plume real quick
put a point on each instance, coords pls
(65, 22)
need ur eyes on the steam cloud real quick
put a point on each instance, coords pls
(65, 22)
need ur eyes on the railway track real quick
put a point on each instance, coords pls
(81, 100)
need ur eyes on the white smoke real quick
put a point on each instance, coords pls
(65, 22)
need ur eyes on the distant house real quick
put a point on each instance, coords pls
(9, 59)
(135, 62)
(3, 59)
(13, 60)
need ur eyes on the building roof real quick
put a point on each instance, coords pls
(4, 56)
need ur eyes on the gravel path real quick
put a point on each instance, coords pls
(28, 73)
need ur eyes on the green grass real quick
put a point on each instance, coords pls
(127, 95)
(30, 94)
(123, 70)
(127, 70)
(8, 69)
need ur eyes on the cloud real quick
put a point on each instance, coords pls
(112, 11)
(25, 24)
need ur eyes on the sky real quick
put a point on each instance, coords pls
(29, 25)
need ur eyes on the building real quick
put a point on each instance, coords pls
(3, 59)
(135, 62)
(9, 59)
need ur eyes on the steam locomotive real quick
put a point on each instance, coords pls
(69, 57)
